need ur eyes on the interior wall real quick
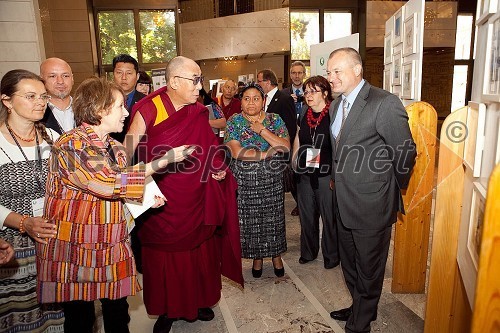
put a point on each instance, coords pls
(20, 40)
(66, 27)
(213, 69)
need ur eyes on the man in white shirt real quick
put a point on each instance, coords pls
(58, 78)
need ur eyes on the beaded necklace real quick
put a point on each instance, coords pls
(314, 122)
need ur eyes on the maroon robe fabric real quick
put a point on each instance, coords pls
(194, 238)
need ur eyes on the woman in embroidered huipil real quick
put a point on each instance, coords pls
(254, 138)
(312, 160)
(24, 152)
(90, 258)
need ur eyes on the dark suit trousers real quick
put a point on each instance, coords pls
(363, 255)
(314, 203)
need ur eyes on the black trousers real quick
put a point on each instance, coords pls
(80, 316)
(314, 203)
(363, 255)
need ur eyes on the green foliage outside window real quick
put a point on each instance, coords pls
(157, 35)
(116, 34)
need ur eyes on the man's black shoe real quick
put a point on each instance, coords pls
(333, 265)
(163, 324)
(303, 260)
(341, 315)
(205, 314)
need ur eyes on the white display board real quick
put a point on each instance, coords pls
(320, 52)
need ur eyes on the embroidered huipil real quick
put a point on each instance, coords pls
(91, 256)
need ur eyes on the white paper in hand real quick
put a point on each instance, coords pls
(150, 190)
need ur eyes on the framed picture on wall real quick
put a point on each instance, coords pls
(387, 79)
(476, 218)
(485, 8)
(491, 86)
(408, 80)
(474, 141)
(388, 48)
(469, 238)
(396, 68)
(410, 35)
(398, 26)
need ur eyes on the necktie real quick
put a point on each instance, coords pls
(298, 105)
(345, 105)
(265, 103)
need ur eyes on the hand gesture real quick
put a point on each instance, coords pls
(176, 154)
(219, 175)
(6, 252)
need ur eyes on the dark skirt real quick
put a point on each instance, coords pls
(261, 207)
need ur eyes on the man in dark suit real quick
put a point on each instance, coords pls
(278, 102)
(373, 157)
(126, 75)
(58, 79)
(296, 90)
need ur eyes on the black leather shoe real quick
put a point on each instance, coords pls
(342, 314)
(163, 324)
(256, 273)
(205, 314)
(332, 265)
(303, 260)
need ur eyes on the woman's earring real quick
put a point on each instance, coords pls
(9, 110)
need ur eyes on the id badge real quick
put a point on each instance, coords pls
(221, 134)
(312, 157)
(37, 206)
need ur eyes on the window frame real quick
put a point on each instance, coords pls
(102, 69)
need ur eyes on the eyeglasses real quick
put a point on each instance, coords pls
(259, 81)
(296, 73)
(195, 80)
(310, 92)
(32, 97)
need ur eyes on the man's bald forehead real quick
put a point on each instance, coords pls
(230, 83)
(178, 65)
(51, 62)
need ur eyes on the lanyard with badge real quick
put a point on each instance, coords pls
(313, 153)
(36, 204)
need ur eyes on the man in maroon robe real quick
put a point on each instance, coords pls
(229, 103)
(194, 238)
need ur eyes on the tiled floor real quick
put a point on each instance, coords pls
(299, 302)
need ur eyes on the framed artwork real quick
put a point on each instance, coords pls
(387, 79)
(398, 26)
(485, 8)
(491, 86)
(388, 48)
(250, 78)
(408, 80)
(410, 35)
(469, 240)
(396, 68)
(474, 140)
(476, 222)
(242, 78)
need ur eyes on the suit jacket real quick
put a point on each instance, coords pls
(121, 136)
(373, 160)
(283, 105)
(50, 121)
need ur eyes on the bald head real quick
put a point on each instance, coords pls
(229, 89)
(58, 77)
(184, 81)
(178, 65)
